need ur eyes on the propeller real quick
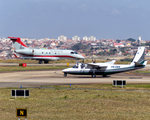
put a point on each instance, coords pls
(93, 61)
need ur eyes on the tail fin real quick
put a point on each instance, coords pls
(18, 43)
(139, 58)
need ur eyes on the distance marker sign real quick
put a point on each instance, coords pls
(21, 112)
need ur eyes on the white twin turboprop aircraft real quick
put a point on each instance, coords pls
(108, 68)
(45, 55)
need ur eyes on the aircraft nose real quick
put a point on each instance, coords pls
(81, 57)
(64, 70)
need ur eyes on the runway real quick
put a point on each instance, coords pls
(55, 77)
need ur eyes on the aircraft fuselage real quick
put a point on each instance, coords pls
(44, 54)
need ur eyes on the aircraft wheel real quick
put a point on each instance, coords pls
(45, 62)
(104, 75)
(65, 74)
(93, 76)
(40, 61)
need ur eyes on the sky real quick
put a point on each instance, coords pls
(103, 19)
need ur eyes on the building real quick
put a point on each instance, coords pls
(85, 38)
(76, 38)
(92, 38)
(62, 37)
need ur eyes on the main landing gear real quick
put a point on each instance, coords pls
(93, 76)
(104, 75)
(40, 61)
(46, 62)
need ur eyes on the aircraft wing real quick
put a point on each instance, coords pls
(96, 66)
(111, 62)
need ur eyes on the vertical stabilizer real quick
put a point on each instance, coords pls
(18, 43)
(139, 56)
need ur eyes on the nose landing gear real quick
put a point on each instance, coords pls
(65, 74)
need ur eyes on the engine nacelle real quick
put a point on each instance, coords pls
(25, 51)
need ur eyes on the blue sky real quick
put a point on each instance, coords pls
(104, 19)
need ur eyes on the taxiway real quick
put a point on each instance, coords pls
(55, 77)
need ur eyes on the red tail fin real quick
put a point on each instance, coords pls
(17, 39)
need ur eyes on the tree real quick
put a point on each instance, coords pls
(147, 44)
(131, 39)
(79, 46)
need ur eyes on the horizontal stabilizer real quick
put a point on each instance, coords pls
(14, 38)
(18, 43)
(16, 55)
(139, 64)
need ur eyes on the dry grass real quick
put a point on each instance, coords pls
(60, 61)
(59, 104)
(19, 68)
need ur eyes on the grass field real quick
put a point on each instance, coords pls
(79, 104)
(87, 103)
(18, 68)
(60, 61)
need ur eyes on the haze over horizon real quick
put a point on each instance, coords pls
(109, 19)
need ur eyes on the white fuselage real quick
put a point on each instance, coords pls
(109, 69)
(46, 54)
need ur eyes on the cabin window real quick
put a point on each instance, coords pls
(42, 52)
(46, 52)
(49, 52)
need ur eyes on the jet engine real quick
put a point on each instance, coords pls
(25, 51)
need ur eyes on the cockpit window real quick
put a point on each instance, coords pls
(75, 66)
(73, 53)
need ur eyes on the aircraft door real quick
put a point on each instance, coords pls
(33, 52)
(82, 68)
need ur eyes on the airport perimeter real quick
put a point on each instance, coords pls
(53, 96)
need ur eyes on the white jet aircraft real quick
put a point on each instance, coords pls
(45, 55)
(108, 68)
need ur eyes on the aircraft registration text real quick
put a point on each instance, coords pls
(115, 66)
